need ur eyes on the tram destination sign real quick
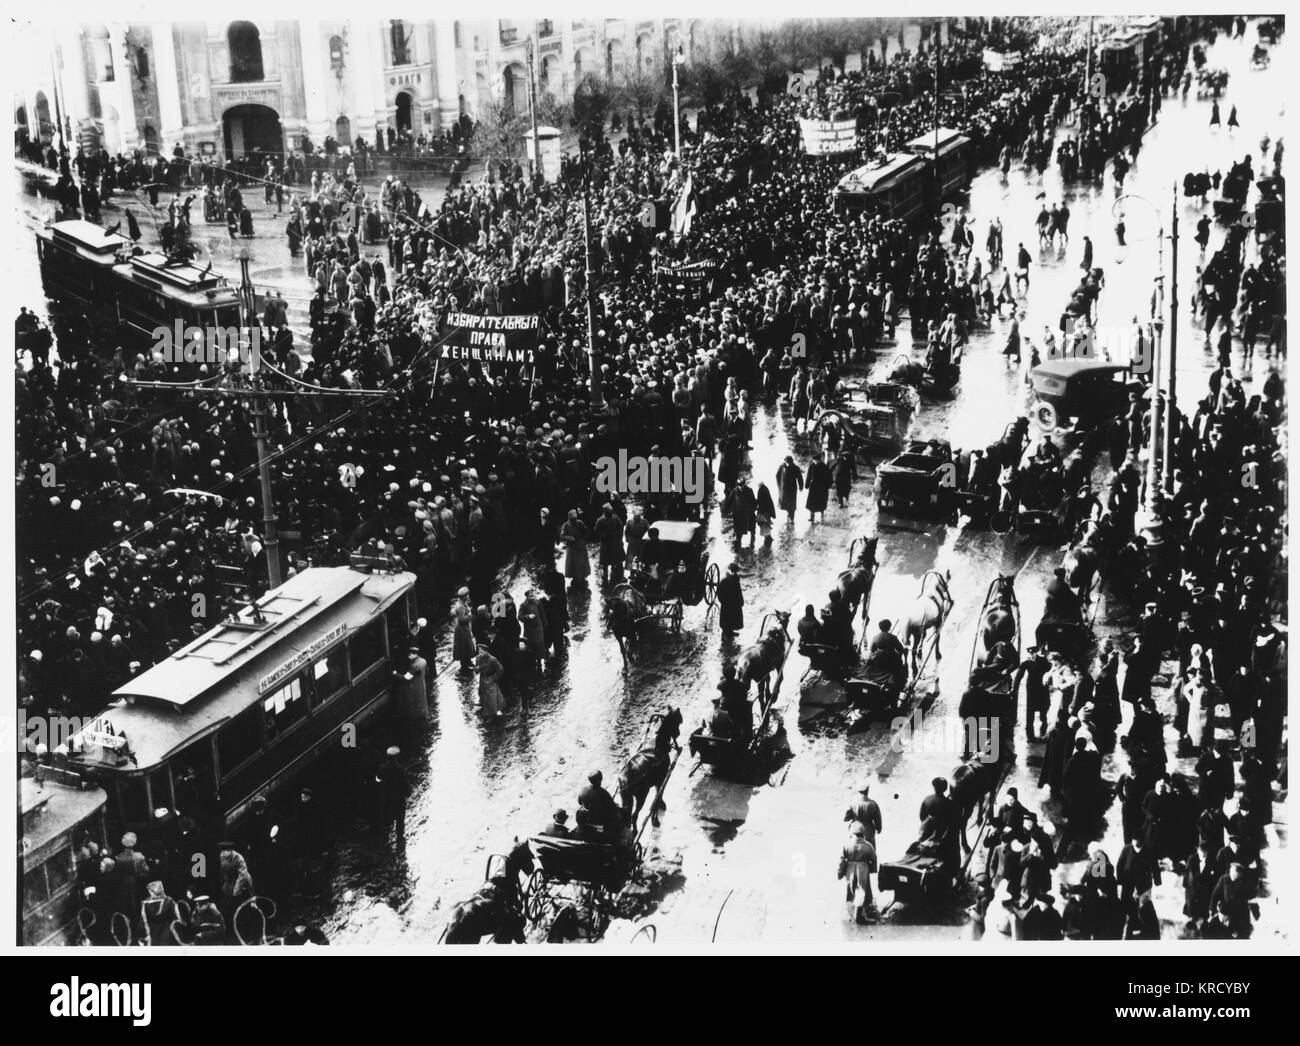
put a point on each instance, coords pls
(306, 654)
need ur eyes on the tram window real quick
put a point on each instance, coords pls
(286, 706)
(35, 891)
(135, 800)
(367, 647)
(238, 741)
(59, 870)
(330, 673)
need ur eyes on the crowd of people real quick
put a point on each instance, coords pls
(133, 505)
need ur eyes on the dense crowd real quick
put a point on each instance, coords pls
(133, 506)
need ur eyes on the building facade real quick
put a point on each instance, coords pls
(229, 87)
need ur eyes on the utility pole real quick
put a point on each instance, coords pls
(1172, 415)
(257, 393)
(1087, 90)
(597, 396)
(677, 116)
(532, 106)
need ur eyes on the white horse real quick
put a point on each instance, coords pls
(926, 614)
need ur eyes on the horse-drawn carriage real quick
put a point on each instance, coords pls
(1211, 82)
(743, 754)
(1065, 628)
(886, 686)
(988, 706)
(920, 483)
(583, 873)
(868, 417)
(673, 570)
(1041, 501)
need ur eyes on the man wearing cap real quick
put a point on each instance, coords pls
(866, 812)
(857, 862)
(601, 809)
(1038, 697)
(731, 602)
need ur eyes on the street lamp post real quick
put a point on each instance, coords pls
(1171, 422)
(678, 58)
(532, 108)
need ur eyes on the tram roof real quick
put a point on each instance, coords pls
(879, 177)
(87, 239)
(232, 665)
(184, 281)
(52, 809)
(949, 139)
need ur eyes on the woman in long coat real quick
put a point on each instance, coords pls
(462, 638)
(819, 486)
(766, 512)
(490, 699)
(789, 481)
(743, 513)
(577, 567)
(731, 601)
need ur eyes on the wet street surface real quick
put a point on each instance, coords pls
(756, 865)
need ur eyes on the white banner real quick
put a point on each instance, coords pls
(826, 137)
(853, 62)
(1000, 61)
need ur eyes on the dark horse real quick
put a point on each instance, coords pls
(854, 584)
(626, 607)
(1084, 561)
(999, 622)
(758, 661)
(973, 785)
(649, 767)
(497, 908)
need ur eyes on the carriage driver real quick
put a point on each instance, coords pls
(602, 811)
(885, 650)
(734, 702)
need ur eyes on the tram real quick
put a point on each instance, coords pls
(953, 156)
(60, 810)
(892, 186)
(82, 264)
(250, 704)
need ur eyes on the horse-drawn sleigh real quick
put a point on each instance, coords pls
(743, 754)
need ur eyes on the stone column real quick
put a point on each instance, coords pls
(312, 54)
(169, 96)
(446, 75)
(378, 64)
(125, 100)
(72, 72)
(359, 62)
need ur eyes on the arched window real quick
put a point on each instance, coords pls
(245, 52)
(343, 130)
(142, 63)
(336, 52)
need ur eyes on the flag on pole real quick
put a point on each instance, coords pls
(685, 209)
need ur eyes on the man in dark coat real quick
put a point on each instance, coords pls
(1038, 697)
(394, 790)
(1232, 898)
(599, 804)
(819, 487)
(1042, 922)
(1060, 743)
(731, 601)
(1136, 871)
(789, 481)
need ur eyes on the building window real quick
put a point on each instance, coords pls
(142, 63)
(336, 52)
(245, 52)
(545, 27)
(367, 647)
(401, 42)
(509, 33)
(286, 706)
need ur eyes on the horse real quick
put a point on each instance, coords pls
(926, 614)
(626, 607)
(758, 661)
(496, 908)
(1084, 560)
(999, 622)
(854, 584)
(971, 789)
(648, 768)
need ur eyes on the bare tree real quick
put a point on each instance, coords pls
(640, 92)
(498, 132)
